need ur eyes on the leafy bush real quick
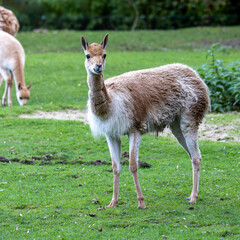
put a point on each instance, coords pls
(222, 81)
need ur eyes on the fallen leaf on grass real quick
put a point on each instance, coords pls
(170, 211)
(92, 215)
(164, 237)
(101, 208)
(100, 229)
(95, 201)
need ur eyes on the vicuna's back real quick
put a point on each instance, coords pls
(10, 50)
(159, 94)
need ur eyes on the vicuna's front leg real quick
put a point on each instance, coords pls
(114, 145)
(134, 144)
(4, 97)
(9, 86)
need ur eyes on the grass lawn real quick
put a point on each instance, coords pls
(52, 188)
(53, 195)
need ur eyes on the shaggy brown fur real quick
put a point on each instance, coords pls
(8, 21)
(152, 92)
(144, 101)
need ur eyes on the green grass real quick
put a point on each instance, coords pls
(190, 39)
(55, 60)
(45, 196)
(59, 79)
(48, 193)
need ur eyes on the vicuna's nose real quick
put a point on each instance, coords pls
(98, 68)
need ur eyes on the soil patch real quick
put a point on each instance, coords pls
(207, 131)
(69, 114)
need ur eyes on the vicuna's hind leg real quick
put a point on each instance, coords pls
(189, 130)
(177, 132)
(186, 133)
(134, 144)
(4, 97)
(8, 87)
(114, 145)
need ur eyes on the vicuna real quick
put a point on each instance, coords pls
(12, 60)
(8, 21)
(144, 101)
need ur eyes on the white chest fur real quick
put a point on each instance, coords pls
(117, 123)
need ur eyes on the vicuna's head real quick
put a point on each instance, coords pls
(95, 55)
(23, 93)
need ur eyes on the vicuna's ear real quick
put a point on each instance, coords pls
(84, 43)
(104, 41)
(29, 86)
(19, 86)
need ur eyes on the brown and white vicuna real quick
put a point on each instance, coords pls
(12, 61)
(144, 101)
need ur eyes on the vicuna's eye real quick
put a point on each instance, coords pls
(104, 56)
(88, 56)
(21, 98)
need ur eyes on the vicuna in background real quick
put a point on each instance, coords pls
(12, 60)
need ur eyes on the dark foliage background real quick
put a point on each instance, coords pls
(223, 82)
(123, 14)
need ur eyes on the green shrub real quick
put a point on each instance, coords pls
(223, 82)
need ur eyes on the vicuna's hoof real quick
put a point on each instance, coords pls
(141, 207)
(191, 200)
(112, 204)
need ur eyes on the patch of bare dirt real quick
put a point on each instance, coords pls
(59, 115)
(207, 131)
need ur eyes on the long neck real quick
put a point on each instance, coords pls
(98, 95)
(18, 74)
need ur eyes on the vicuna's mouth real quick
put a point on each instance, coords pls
(98, 68)
(97, 71)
